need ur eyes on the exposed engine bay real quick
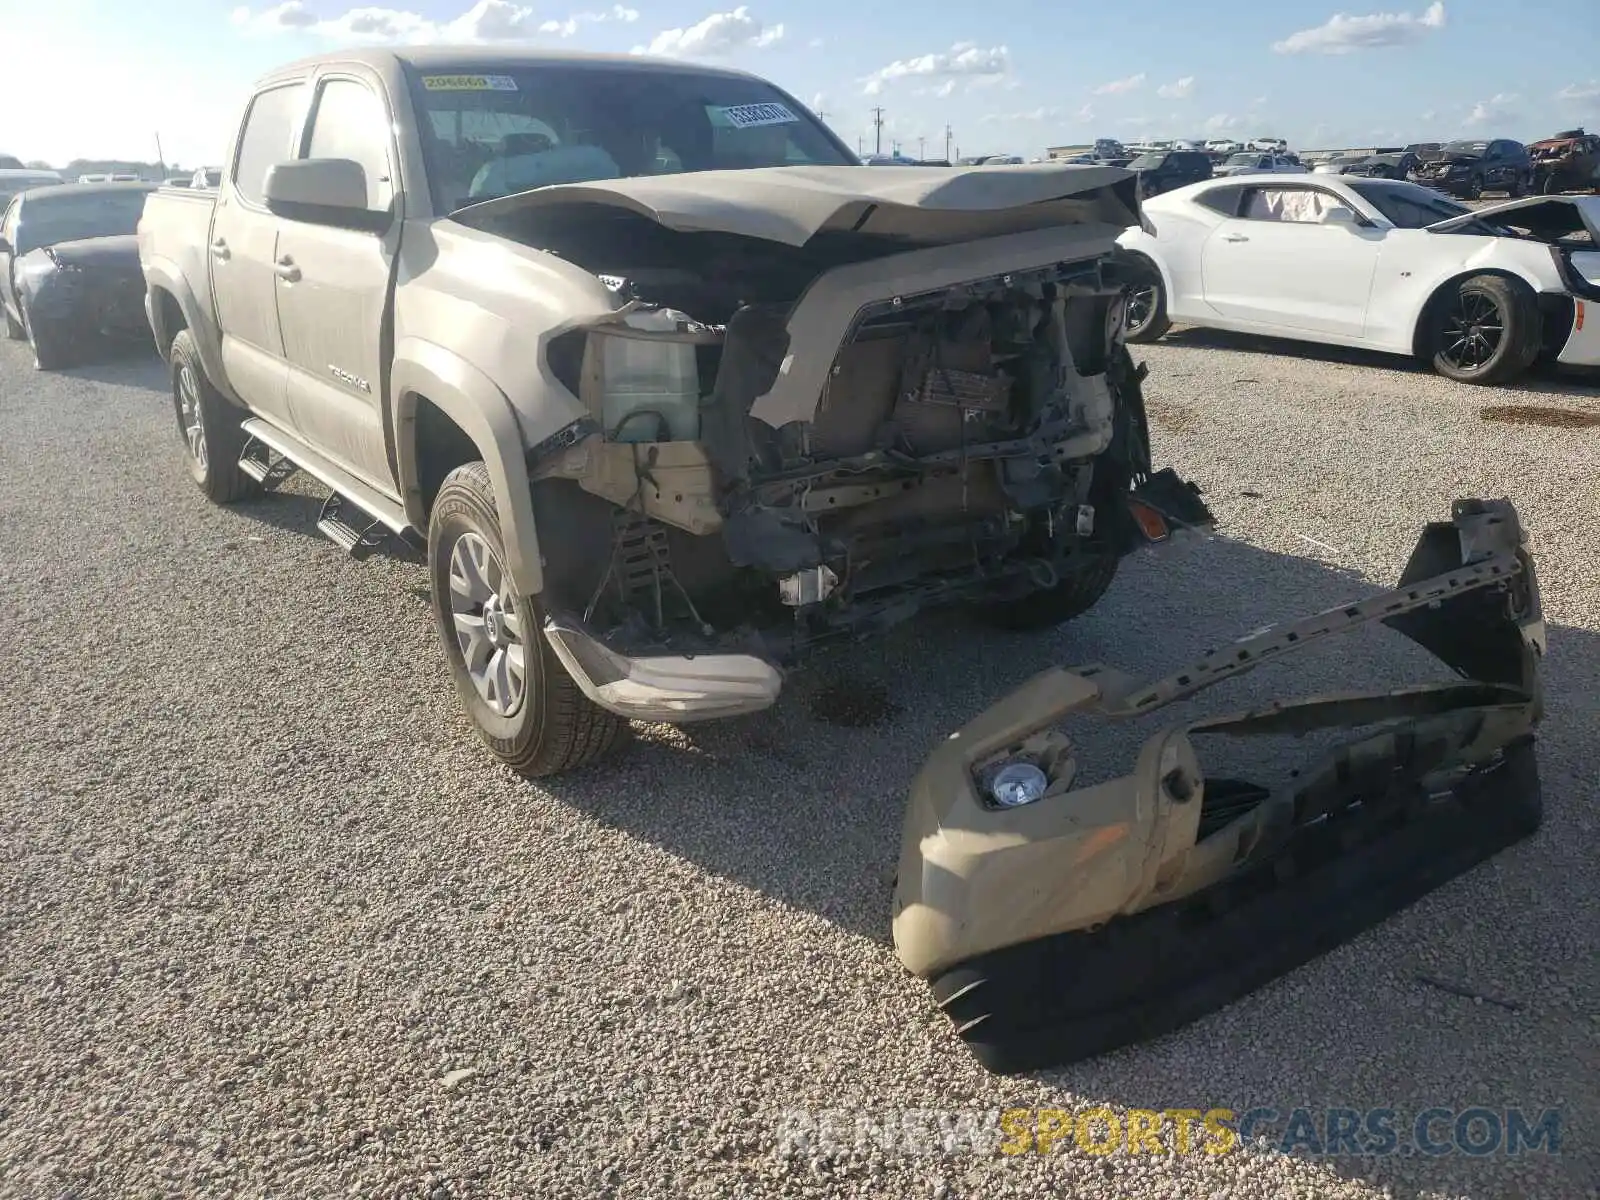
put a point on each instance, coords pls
(1058, 918)
(790, 443)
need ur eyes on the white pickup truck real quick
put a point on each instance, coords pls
(666, 388)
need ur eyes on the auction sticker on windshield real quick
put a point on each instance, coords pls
(749, 116)
(469, 83)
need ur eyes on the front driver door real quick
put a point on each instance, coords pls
(244, 238)
(334, 289)
(1278, 266)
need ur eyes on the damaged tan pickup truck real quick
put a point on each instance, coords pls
(667, 387)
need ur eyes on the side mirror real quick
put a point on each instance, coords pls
(5, 246)
(323, 191)
(1340, 215)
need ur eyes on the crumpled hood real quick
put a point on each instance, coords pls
(121, 250)
(1556, 214)
(790, 205)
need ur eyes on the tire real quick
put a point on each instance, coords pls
(547, 726)
(209, 426)
(1147, 300)
(1474, 189)
(1460, 341)
(51, 348)
(1053, 606)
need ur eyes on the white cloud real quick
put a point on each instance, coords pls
(1343, 34)
(1086, 113)
(964, 60)
(1118, 86)
(1177, 91)
(817, 43)
(717, 36)
(569, 27)
(485, 21)
(1258, 102)
(1499, 107)
(1224, 123)
(1583, 93)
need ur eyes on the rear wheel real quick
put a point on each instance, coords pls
(1147, 303)
(516, 692)
(1486, 331)
(209, 426)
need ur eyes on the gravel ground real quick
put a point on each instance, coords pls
(273, 924)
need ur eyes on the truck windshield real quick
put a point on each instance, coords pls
(493, 134)
(80, 213)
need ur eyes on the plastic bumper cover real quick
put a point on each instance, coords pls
(670, 688)
(1102, 915)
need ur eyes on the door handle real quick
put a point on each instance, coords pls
(1234, 237)
(286, 270)
(220, 251)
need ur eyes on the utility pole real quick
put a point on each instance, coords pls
(861, 147)
(947, 136)
(161, 159)
(877, 126)
(922, 147)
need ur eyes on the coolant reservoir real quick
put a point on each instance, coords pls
(649, 386)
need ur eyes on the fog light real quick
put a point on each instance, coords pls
(1017, 784)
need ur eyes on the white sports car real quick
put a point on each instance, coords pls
(1377, 264)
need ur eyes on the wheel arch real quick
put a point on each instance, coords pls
(172, 306)
(1441, 292)
(445, 409)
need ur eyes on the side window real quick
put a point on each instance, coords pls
(1296, 206)
(8, 223)
(267, 138)
(350, 122)
(1224, 200)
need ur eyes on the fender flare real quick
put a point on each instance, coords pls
(477, 405)
(163, 275)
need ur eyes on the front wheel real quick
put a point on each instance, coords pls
(1146, 304)
(516, 692)
(1487, 331)
(51, 348)
(1044, 609)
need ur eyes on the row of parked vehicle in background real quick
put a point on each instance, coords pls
(1467, 168)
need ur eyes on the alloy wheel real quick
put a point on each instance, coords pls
(1472, 332)
(190, 422)
(1141, 305)
(487, 618)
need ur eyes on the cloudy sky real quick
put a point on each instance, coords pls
(100, 79)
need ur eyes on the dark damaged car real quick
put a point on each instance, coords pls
(1568, 162)
(1468, 169)
(69, 268)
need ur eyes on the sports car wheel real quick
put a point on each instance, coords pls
(1487, 331)
(51, 351)
(1147, 303)
(209, 426)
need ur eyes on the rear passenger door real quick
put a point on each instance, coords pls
(333, 288)
(243, 250)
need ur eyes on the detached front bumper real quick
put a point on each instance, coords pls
(1097, 916)
(669, 688)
